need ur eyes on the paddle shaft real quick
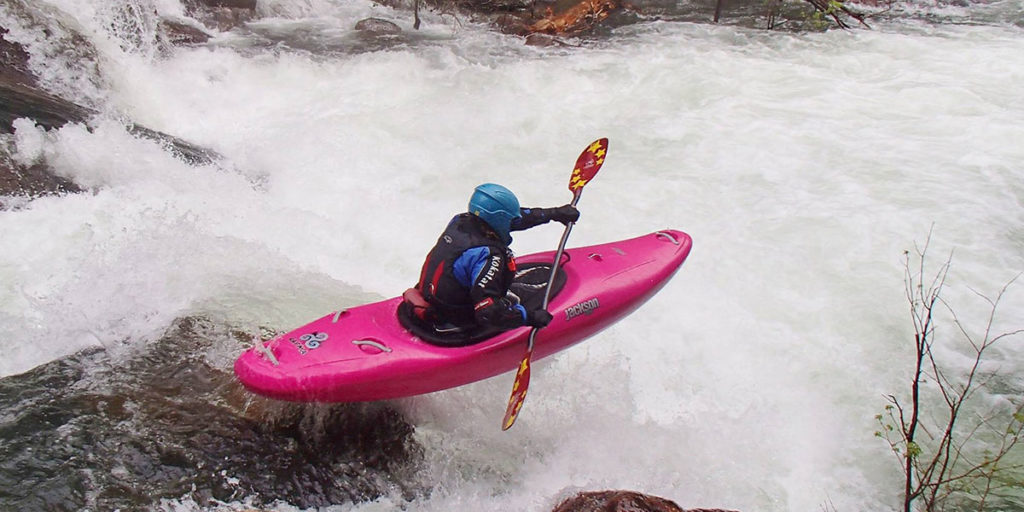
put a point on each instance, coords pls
(554, 268)
(587, 165)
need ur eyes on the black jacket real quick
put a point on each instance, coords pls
(466, 276)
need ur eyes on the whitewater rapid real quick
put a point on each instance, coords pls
(803, 166)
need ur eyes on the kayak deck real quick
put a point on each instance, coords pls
(364, 353)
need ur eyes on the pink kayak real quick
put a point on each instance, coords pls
(366, 353)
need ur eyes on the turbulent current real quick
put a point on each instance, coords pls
(806, 167)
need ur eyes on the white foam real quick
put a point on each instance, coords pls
(803, 165)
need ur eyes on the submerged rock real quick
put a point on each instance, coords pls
(378, 26)
(539, 39)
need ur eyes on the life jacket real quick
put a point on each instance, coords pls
(449, 300)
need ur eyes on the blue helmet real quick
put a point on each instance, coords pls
(497, 206)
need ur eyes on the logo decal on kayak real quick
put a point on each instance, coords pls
(583, 308)
(309, 341)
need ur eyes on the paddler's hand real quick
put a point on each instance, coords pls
(538, 318)
(565, 214)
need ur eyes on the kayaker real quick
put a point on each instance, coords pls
(466, 277)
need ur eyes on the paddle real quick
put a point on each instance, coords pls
(587, 164)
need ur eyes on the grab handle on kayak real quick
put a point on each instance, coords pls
(265, 350)
(374, 344)
(667, 235)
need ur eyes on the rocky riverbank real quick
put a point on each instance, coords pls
(539, 22)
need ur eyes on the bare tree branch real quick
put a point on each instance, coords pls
(965, 454)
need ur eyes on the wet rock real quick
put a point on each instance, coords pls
(17, 179)
(512, 23)
(14, 61)
(32, 180)
(377, 26)
(178, 33)
(230, 4)
(496, 5)
(616, 501)
(18, 100)
(22, 101)
(222, 15)
(621, 501)
(128, 428)
(542, 40)
(20, 97)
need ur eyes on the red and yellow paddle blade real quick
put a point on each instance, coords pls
(586, 167)
(587, 164)
(515, 402)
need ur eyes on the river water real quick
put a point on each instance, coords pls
(803, 165)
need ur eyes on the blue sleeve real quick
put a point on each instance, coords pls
(487, 294)
(522, 311)
(469, 265)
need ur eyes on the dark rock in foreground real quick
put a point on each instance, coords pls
(97, 431)
(621, 501)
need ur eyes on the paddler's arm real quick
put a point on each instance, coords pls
(490, 304)
(536, 216)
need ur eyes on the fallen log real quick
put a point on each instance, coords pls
(577, 18)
